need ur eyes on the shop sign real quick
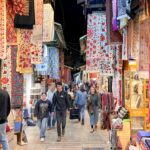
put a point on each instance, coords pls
(4, 80)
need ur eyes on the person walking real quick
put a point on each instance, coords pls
(81, 100)
(61, 103)
(42, 109)
(52, 116)
(92, 107)
(5, 108)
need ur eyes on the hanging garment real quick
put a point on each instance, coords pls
(112, 36)
(3, 29)
(48, 23)
(115, 12)
(26, 22)
(122, 8)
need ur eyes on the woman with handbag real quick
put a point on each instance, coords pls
(92, 107)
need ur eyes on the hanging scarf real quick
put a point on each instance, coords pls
(54, 63)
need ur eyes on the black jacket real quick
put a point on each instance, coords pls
(61, 101)
(5, 106)
(42, 109)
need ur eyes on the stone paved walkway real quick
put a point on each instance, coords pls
(77, 138)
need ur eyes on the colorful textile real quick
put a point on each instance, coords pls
(11, 32)
(21, 7)
(144, 55)
(112, 36)
(6, 71)
(37, 30)
(42, 68)
(100, 56)
(23, 55)
(129, 39)
(23, 21)
(36, 53)
(124, 45)
(114, 18)
(54, 63)
(48, 23)
(135, 38)
(122, 8)
(108, 60)
(93, 41)
(2, 29)
(16, 81)
(36, 49)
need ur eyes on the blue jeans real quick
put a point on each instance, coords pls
(42, 123)
(94, 117)
(82, 111)
(51, 120)
(3, 137)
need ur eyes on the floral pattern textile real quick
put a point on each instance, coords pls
(36, 53)
(6, 71)
(23, 55)
(100, 56)
(48, 23)
(37, 30)
(144, 54)
(21, 7)
(43, 68)
(54, 63)
(93, 41)
(3, 29)
(37, 36)
(11, 32)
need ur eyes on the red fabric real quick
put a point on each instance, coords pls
(7, 128)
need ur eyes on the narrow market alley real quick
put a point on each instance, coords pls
(77, 137)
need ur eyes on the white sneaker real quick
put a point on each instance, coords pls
(42, 139)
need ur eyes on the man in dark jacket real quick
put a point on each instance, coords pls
(4, 112)
(61, 103)
(42, 109)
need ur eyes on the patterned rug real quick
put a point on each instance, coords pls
(3, 29)
(16, 81)
(144, 54)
